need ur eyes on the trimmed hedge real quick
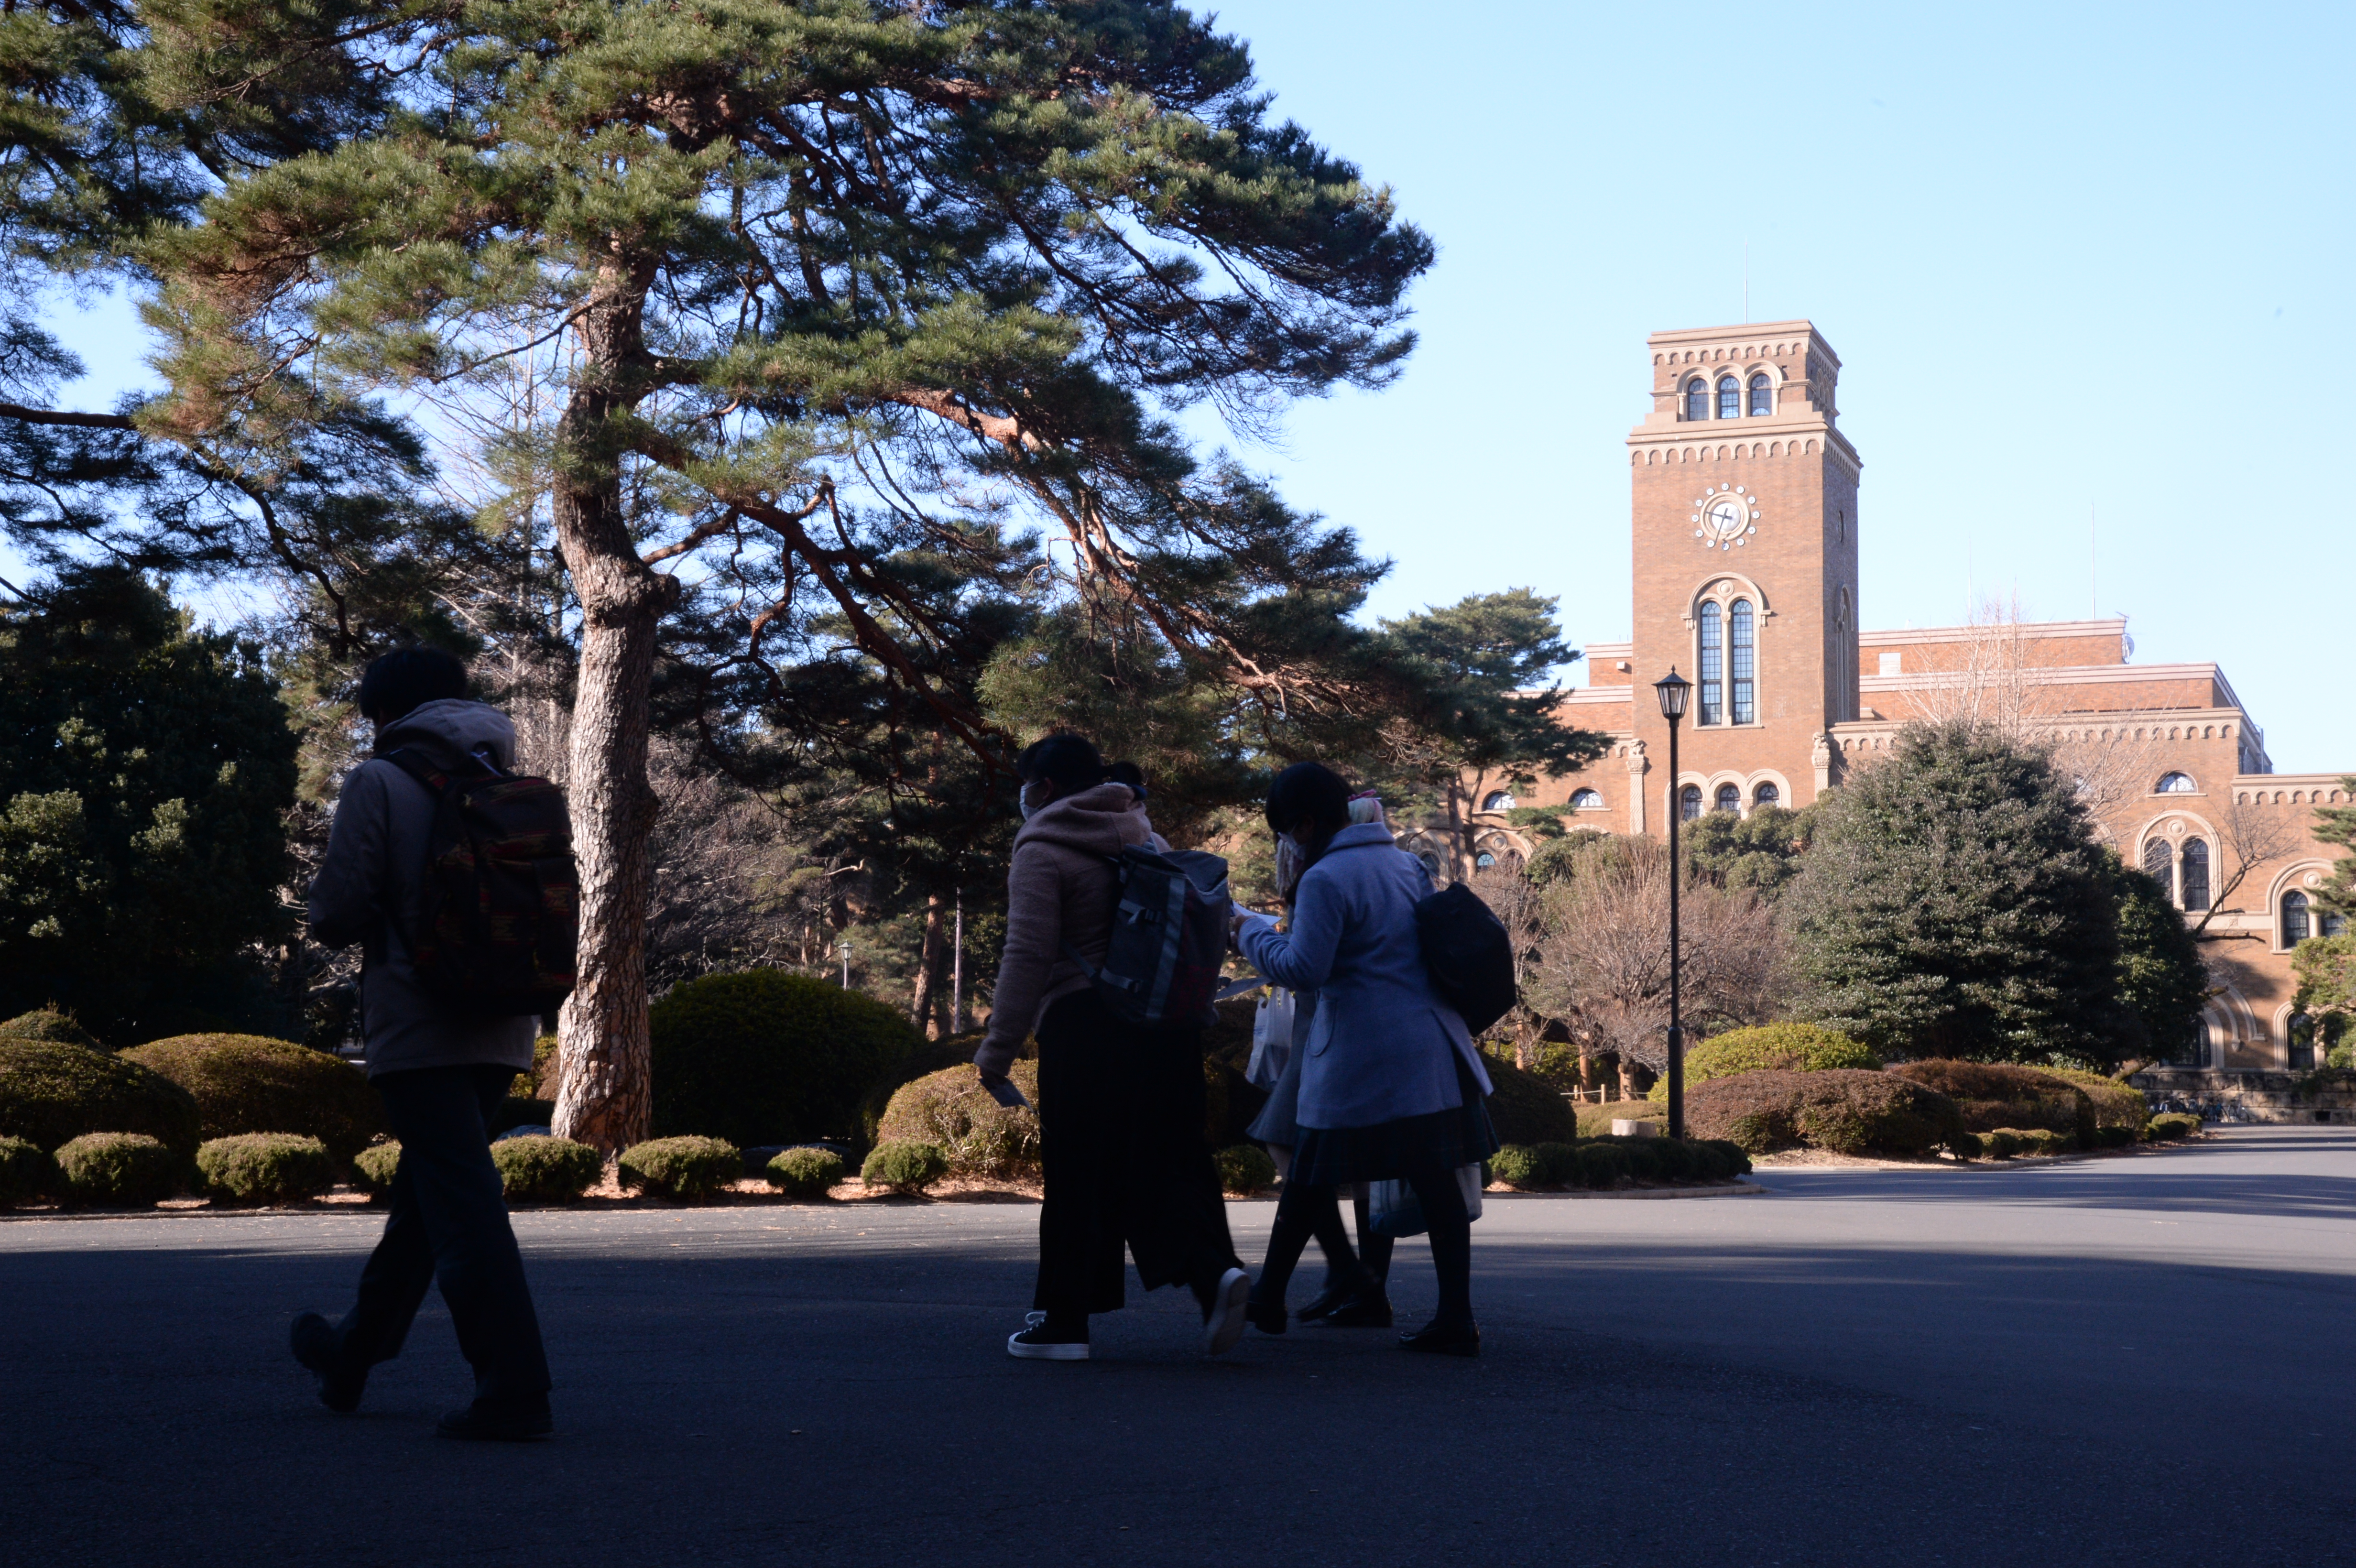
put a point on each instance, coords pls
(1998, 1143)
(1245, 1169)
(2170, 1125)
(979, 1139)
(904, 1164)
(250, 1083)
(26, 1172)
(1840, 1109)
(118, 1170)
(374, 1166)
(765, 1056)
(2037, 1140)
(535, 1166)
(51, 1091)
(1525, 1109)
(1602, 1163)
(2116, 1104)
(1991, 1094)
(690, 1168)
(806, 1173)
(265, 1167)
(1769, 1048)
(50, 1025)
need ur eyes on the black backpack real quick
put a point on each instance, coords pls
(1169, 937)
(1469, 953)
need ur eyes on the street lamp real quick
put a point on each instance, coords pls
(1674, 690)
(845, 947)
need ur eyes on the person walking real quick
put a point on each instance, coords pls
(442, 1074)
(1122, 1106)
(1391, 1087)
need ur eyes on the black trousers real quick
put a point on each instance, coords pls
(1123, 1152)
(449, 1223)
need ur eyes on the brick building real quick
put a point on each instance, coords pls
(1747, 529)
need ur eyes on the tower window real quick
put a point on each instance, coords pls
(1729, 799)
(1498, 800)
(2160, 864)
(2297, 928)
(1730, 397)
(1689, 802)
(1767, 794)
(2175, 784)
(1745, 661)
(1696, 399)
(1762, 394)
(1484, 860)
(2196, 873)
(1713, 666)
(1586, 800)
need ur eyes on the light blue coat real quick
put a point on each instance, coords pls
(1382, 1045)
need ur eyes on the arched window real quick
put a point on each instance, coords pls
(1762, 394)
(1730, 397)
(1713, 666)
(1431, 862)
(1498, 800)
(1696, 399)
(1730, 798)
(1586, 800)
(1745, 661)
(2174, 784)
(2160, 864)
(1767, 794)
(2329, 925)
(2196, 873)
(1689, 802)
(2301, 1030)
(1484, 860)
(2296, 927)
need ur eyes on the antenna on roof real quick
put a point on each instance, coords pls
(2094, 566)
(1746, 280)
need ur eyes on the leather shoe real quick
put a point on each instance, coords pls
(1365, 1309)
(313, 1339)
(483, 1421)
(1268, 1317)
(1439, 1338)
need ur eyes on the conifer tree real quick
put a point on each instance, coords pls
(2336, 824)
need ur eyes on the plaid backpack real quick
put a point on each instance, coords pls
(502, 895)
(1169, 937)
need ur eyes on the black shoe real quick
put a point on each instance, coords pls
(1332, 1296)
(314, 1341)
(1367, 1309)
(483, 1421)
(1440, 1338)
(1268, 1317)
(1032, 1344)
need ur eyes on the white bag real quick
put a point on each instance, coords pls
(1394, 1210)
(1271, 1038)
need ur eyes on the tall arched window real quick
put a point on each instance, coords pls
(2295, 928)
(2301, 1030)
(1730, 798)
(1762, 394)
(1730, 397)
(2159, 864)
(1745, 660)
(1696, 399)
(1713, 665)
(2175, 784)
(1689, 802)
(2196, 873)
(1586, 800)
(1767, 794)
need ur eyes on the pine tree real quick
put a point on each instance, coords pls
(2162, 979)
(2336, 824)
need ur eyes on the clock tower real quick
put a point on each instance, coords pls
(1744, 516)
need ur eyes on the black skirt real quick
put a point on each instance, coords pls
(1390, 1151)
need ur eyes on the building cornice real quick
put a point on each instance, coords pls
(2113, 624)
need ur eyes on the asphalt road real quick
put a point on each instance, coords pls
(2133, 1360)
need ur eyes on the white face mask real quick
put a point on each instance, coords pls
(1023, 802)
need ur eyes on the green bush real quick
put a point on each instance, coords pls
(26, 1172)
(805, 1172)
(50, 1025)
(1769, 1048)
(2115, 1105)
(374, 1166)
(248, 1084)
(981, 1139)
(2035, 1140)
(265, 1167)
(119, 1170)
(1601, 1164)
(1738, 1163)
(903, 1166)
(2116, 1136)
(1245, 1169)
(689, 1168)
(1998, 1143)
(2170, 1125)
(1640, 1158)
(537, 1165)
(1518, 1167)
(51, 1091)
(764, 1057)
(1595, 1121)
(1674, 1158)
(1524, 1109)
(1842, 1111)
(1559, 1163)
(538, 1081)
(1967, 1145)
(1988, 1094)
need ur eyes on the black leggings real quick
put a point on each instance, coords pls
(1305, 1210)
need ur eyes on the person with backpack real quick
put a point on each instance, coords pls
(440, 1056)
(1391, 1087)
(1121, 1103)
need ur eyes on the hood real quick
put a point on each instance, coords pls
(1097, 821)
(448, 730)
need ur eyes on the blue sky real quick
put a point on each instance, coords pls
(2071, 257)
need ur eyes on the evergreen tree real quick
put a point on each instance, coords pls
(2336, 824)
(2162, 978)
(1761, 850)
(1953, 903)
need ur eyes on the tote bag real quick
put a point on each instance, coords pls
(1393, 1210)
(1271, 1038)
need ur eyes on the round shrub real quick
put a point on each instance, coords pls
(765, 1056)
(1525, 1109)
(374, 1166)
(2115, 1105)
(2171, 1124)
(249, 1083)
(1843, 1110)
(1967, 1145)
(50, 1025)
(1998, 1143)
(264, 1167)
(51, 1091)
(2036, 1140)
(1771, 1048)
(689, 1168)
(904, 1164)
(26, 1172)
(1601, 1164)
(1675, 1159)
(981, 1139)
(1989, 1095)
(546, 1168)
(1518, 1167)
(1559, 1163)
(805, 1172)
(2116, 1136)
(1736, 1162)
(118, 1170)
(1245, 1169)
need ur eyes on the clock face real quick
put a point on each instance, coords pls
(1725, 519)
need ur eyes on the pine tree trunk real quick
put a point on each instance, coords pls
(929, 1011)
(1460, 832)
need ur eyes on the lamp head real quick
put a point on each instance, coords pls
(1674, 690)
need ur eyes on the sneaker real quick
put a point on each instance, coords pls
(1034, 1345)
(313, 1340)
(483, 1421)
(1439, 1338)
(1223, 1318)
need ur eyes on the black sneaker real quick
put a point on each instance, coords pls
(1439, 1338)
(1035, 1344)
(483, 1421)
(313, 1339)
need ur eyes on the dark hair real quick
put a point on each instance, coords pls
(1128, 773)
(1313, 793)
(1071, 763)
(408, 679)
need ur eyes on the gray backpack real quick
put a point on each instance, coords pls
(1169, 937)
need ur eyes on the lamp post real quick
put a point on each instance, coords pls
(846, 965)
(1672, 691)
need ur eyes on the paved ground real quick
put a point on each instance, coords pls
(2137, 1361)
